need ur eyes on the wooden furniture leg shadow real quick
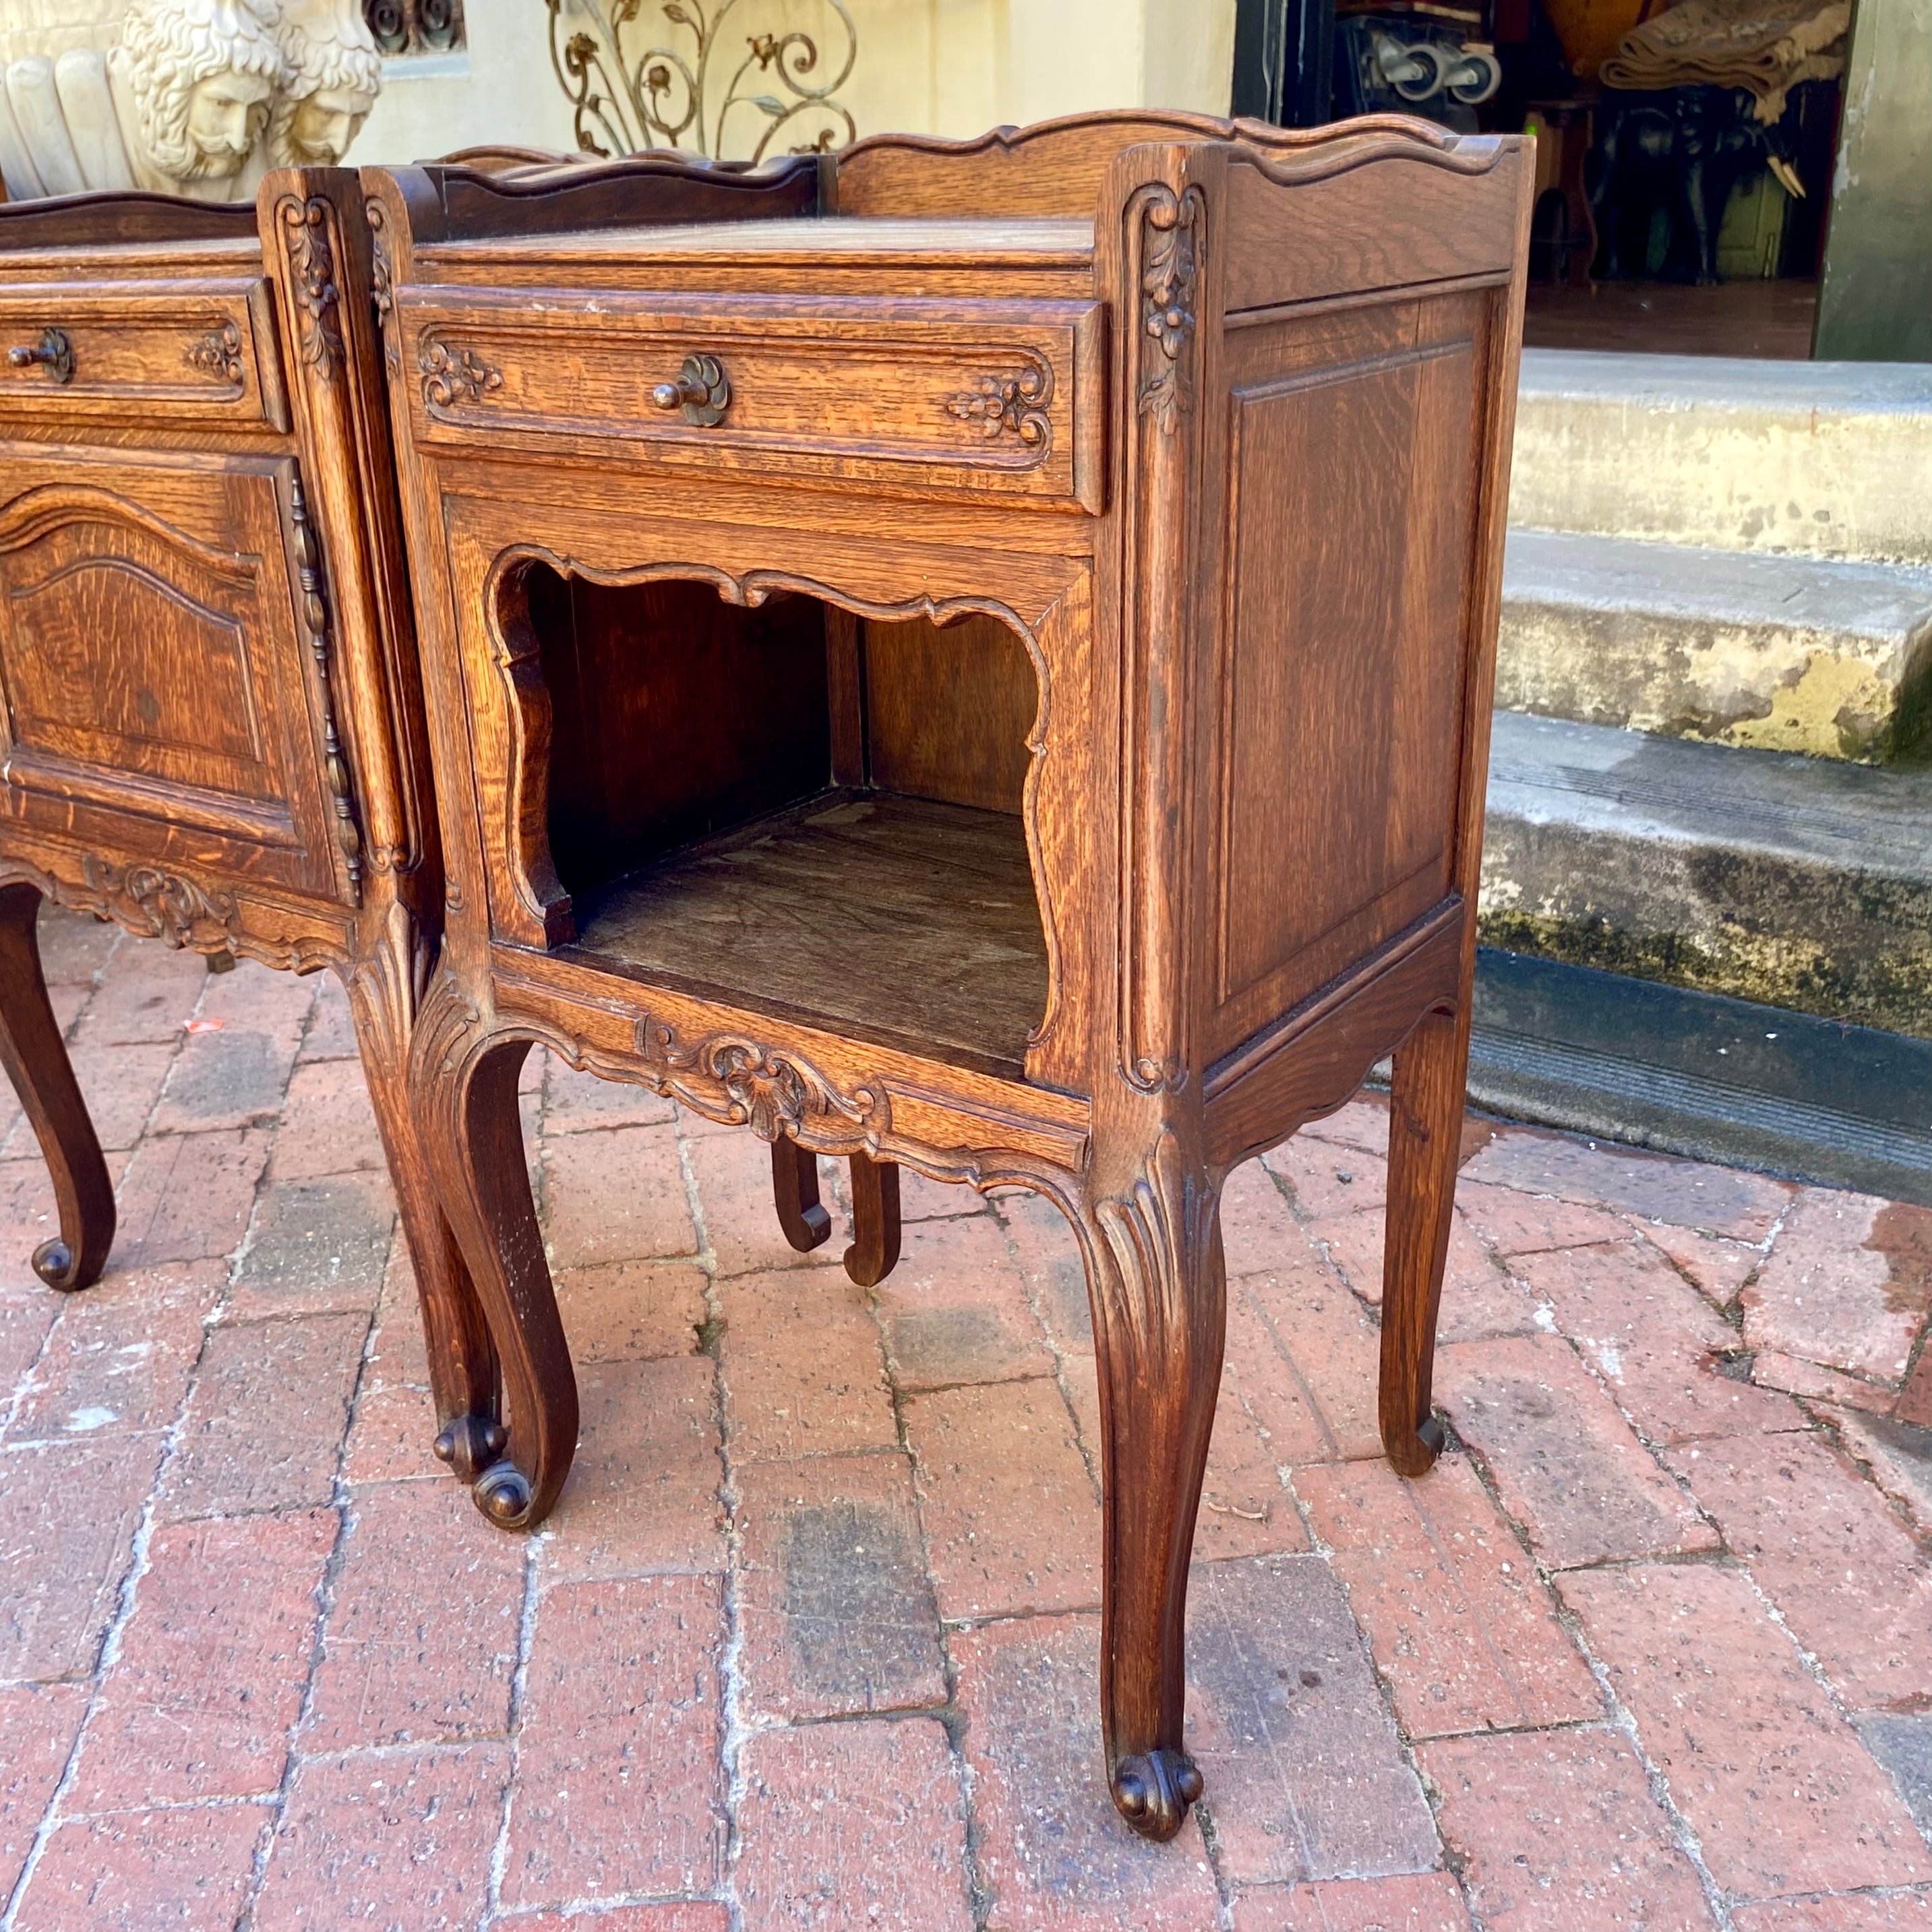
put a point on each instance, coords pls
(978, 660)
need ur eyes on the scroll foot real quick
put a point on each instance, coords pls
(1153, 1793)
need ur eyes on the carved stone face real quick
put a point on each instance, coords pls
(325, 124)
(226, 114)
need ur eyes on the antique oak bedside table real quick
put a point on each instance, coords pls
(984, 666)
(211, 727)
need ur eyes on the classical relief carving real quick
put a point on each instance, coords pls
(218, 353)
(196, 98)
(450, 370)
(334, 74)
(1010, 403)
(315, 622)
(1170, 227)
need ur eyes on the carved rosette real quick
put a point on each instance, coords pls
(160, 905)
(727, 1077)
(1171, 230)
(218, 354)
(451, 370)
(315, 621)
(1011, 402)
(305, 237)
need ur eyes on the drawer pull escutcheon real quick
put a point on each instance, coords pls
(53, 350)
(702, 391)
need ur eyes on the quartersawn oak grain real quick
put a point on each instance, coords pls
(212, 728)
(849, 771)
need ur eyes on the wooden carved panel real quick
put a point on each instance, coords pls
(1353, 635)
(152, 667)
(125, 644)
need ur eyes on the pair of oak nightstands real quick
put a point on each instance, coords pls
(969, 656)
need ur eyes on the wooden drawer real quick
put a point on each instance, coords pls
(143, 353)
(957, 395)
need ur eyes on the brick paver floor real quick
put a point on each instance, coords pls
(811, 1640)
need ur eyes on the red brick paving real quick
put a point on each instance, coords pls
(888, 1849)
(1781, 1793)
(809, 1639)
(1559, 1828)
(1432, 1903)
(1567, 1465)
(1463, 1631)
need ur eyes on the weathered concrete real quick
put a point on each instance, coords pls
(1779, 653)
(1797, 882)
(1822, 458)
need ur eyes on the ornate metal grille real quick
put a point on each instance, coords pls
(415, 26)
(693, 88)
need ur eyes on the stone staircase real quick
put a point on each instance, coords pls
(1710, 769)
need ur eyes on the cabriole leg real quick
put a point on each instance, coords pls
(1426, 1103)
(874, 1252)
(463, 1368)
(1151, 1236)
(35, 1058)
(795, 1189)
(464, 1087)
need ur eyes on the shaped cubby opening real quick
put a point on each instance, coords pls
(795, 809)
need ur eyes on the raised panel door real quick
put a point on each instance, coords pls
(154, 698)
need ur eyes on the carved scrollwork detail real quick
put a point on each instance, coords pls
(450, 369)
(315, 621)
(160, 905)
(1171, 227)
(393, 981)
(382, 287)
(727, 1077)
(218, 353)
(305, 236)
(1165, 1216)
(1011, 402)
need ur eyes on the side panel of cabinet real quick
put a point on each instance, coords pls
(154, 698)
(1344, 640)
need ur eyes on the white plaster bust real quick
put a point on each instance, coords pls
(196, 98)
(334, 75)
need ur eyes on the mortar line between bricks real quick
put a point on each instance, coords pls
(324, 1605)
(526, 1624)
(1828, 1430)
(980, 1898)
(109, 1647)
(731, 1733)
(1619, 1716)
(1625, 1720)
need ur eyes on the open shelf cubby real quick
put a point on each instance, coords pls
(797, 810)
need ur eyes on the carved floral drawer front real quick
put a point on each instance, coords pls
(192, 354)
(960, 395)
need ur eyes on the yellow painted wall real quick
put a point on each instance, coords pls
(939, 67)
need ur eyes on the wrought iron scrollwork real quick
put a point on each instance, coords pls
(626, 97)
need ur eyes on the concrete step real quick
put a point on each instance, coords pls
(1698, 1074)
(1825, 459)
(1795, 882)
(1779, 653)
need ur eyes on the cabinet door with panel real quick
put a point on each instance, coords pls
(210, 724)
(160, 698)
